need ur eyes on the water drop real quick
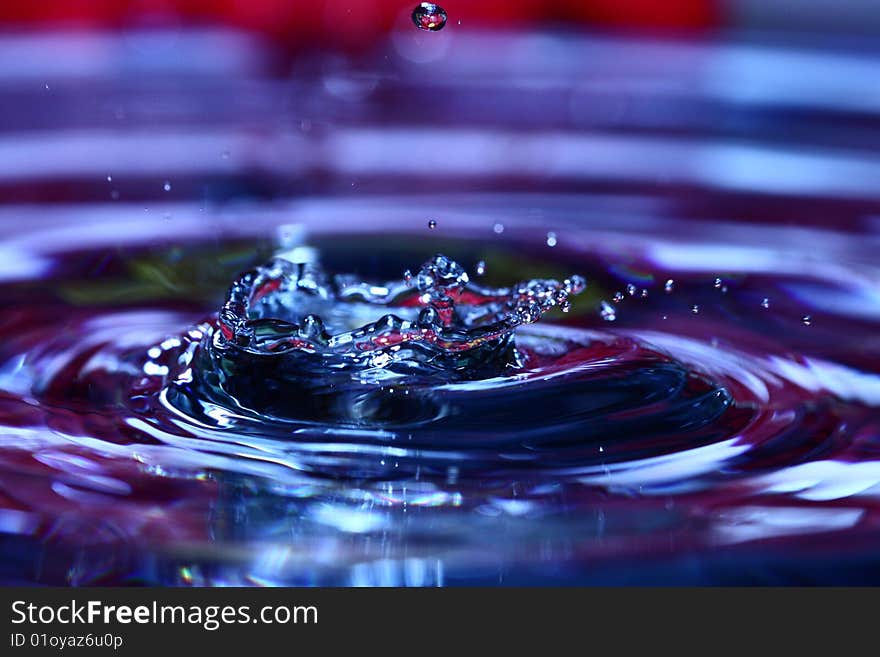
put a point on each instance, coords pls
(607, 311)
(718, 283)
(631, 290)
(575, 284)
(618, 297)
(806, 320)
(551, 239)
(765, 303)
(498, 229)
(432, 224)
(644, 293)
(109, 178)
(695, 309)
(670, 285)
(430, 17)
(167, 186)
(481, 268)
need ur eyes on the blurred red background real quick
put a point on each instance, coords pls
(344, 23)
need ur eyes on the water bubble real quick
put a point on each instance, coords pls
(167, 186)
(498, 229)
(430, 17)
(551, 239)
(481, 268)
(806, 320)
(109, 178)
(631, 290)
(432, 224)
(765, 303)
(618, 297)
(695, 309)
(669, 286)
(607, 311)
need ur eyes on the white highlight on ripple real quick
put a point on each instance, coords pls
(686, 465)
(822, 481)
(752, 523)
(757, 372)
(348, 519)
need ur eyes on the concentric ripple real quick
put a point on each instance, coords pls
(704, 413)
(338, 411)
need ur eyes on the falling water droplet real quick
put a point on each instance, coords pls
(109, 178)
(644, 293)
(670, 285)
(765, 303)
(695, 309)
(551, 239)
(718, 283)
(481, 268)
(607, 311)
(430, 17)
(631, 290)
(167, 186)
(806, 320)
(618, 297)
(498, 229)
(432, 224)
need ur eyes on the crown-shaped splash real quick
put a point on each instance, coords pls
(437, 320)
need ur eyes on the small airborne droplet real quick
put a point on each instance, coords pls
(765, 303)
(551, 239)
(618, 297)
(718, 283)
(498, 229)
(670, 285)
(430, 17)
(481, 268)
(607, 312)
(695, 309)
(432, 224)
(167, 186)
(631, 289)
(806, 320)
